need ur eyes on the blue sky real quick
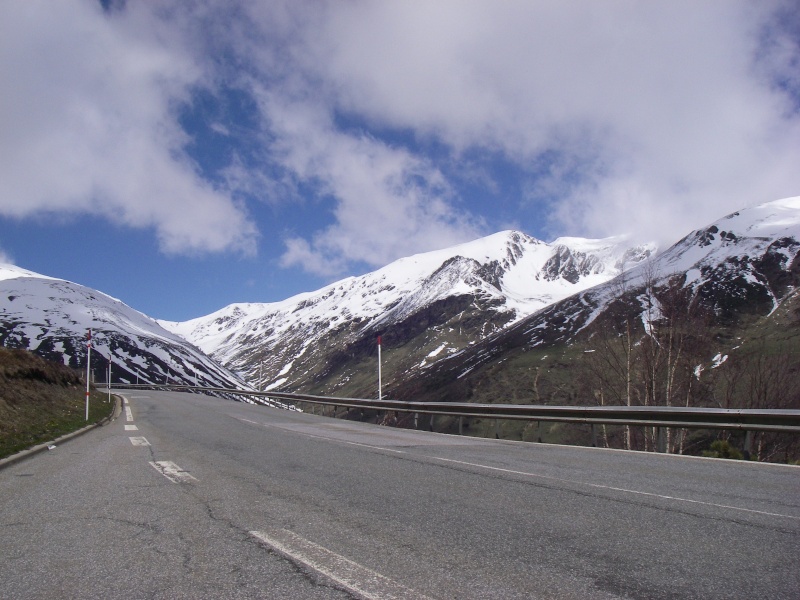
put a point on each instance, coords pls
(184, 156)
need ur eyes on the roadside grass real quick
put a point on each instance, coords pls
(41, 401)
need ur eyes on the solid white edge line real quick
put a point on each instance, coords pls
(616, 489)
(352, 576)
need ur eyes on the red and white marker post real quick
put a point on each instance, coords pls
(88, 362)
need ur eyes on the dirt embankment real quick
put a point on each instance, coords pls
(41, 400)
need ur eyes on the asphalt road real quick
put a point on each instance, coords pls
(208, 498)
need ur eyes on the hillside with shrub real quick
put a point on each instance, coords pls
(41, 400)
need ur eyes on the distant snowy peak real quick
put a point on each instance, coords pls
(513, 265)
(747, 261)
(769, 221)
(527, 272)
(8, 271)
(746, 232)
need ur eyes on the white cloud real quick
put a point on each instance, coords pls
(5, 257)
(670, 109)
(389, 203)
(652, 117)
(88, 121)
(660, 116)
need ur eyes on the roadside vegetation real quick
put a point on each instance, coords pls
(664, 346)
(41, 400)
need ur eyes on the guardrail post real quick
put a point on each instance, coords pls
(496, 429)
(661, 445)
(431, 425)
(460, 425)
(594, 435)
(539, 431)
(416, 420)
(748, 444)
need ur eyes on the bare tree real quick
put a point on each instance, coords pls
(613, 360)
(649, 349)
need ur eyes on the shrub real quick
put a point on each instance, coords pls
(723, 449)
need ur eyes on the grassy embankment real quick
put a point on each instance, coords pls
(40, 401)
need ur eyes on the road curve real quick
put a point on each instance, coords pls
(187, 496)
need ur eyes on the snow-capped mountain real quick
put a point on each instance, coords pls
(748, 257)
(51, 317)
(425, 307)
(745, 265)
(443, 315)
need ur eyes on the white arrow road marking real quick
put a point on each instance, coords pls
(360, 580)
(131, 428)
(139, 441)
(172, 471)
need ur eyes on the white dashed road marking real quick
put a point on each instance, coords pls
(356, 578)
(172, 471)
(128, 413)
(131, 428)
(139, 441)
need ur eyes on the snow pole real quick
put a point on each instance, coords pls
(380, 390)
(88, 362)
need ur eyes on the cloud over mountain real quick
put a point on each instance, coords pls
(410, 126)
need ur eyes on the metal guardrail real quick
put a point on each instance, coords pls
(744, 419)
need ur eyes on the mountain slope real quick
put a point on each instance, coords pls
(51, 317)
(425, 307)
(741, 274)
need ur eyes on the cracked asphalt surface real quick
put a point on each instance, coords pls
(442, 516)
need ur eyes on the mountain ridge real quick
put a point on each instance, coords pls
(466, 291)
